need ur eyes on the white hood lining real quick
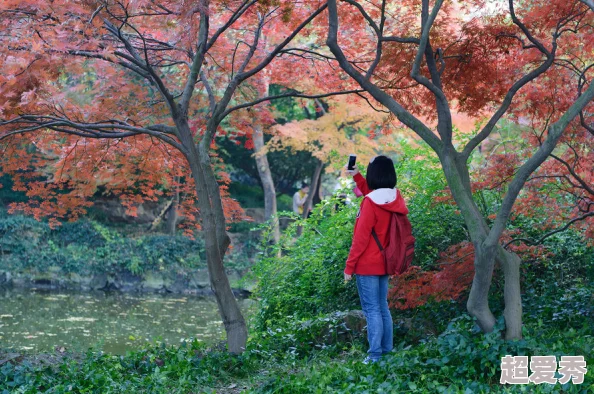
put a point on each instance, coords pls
(382, 196)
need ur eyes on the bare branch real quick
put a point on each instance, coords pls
(402, 40)
(371, 105)
(516, 37)
(234, 17)
(526, 32)
(107, 129)
(198, 59)
(571, 170)
(245, 75)
(378, 49)
(117, 33)
(209, 91)
(551, 233)
(318, 54)
(253, 47)
(434, 85)
(95, 13)
(365, 15)
(289, 94)
(581, 82)
(427, 24)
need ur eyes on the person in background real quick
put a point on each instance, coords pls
(299, 199)
(365, 258)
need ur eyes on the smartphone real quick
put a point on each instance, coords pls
(352, 161)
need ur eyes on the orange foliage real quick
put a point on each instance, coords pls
(63, 59)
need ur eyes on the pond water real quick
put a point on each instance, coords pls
(40, 321)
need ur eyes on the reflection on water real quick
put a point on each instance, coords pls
(38, 321)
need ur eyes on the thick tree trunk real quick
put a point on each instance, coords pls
(485, 256)
(478, 300)
(216, 238)
(510, 262)
(218, 243)
(266, 179)
(484, 261)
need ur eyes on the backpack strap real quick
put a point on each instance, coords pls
(379, 244)
(377, 240)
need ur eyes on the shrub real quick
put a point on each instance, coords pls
(88, 247)
(307, 280)
(19, 234)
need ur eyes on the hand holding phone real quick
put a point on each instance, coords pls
(351, 169)
(352, 161)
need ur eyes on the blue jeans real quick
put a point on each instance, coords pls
(373, 293)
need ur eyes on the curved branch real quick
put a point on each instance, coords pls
(396, 108)
(425, 37)
(507, 100)
(198, 59)
(112, 129)
(117, 33)
(245, 75)
(526, 32)
(571, 170)
(285, 95)
(551, 233)
(402, 40)
(234, 17)
(555, 132)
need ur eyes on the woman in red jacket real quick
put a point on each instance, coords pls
(365, 258)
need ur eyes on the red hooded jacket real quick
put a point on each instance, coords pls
(365, 257)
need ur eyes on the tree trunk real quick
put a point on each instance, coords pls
(218, 243)
(318, 197)
(315, 179)
(484, 259)
(215, 236)
(171, 223)
(478, 300)
(510, 262)
(485, 256)
(267, 182)
(172, 216)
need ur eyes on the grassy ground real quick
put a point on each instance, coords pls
(459, 360)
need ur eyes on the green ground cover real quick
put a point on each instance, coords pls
(299, 344)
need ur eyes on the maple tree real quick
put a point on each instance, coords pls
(334, 135)
(330, 137)
(422, 61)
(145, 87)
